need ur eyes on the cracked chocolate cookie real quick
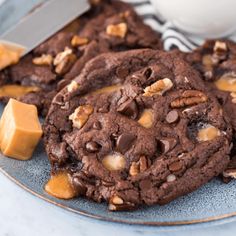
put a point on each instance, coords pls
(136, 127)
(216, 61)
(108, 26)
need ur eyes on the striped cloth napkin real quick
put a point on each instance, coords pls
(171, 36)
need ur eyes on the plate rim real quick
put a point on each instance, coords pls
(87, 214)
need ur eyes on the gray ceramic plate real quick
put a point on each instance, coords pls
(211, 202)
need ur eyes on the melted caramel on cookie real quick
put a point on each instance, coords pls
(226, 83)
(16, 91)
(60, 186)
(108, 89)
(147, 118)
(208, 133)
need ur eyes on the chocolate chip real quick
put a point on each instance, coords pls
(124, 142)
(92, 146)
(97, 125)
(79, 186)
(122, 72)
(166, 145)
(172, 117)
(148, 72)
(129, 108)
(175, 166)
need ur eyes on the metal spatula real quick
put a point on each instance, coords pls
(42, 23)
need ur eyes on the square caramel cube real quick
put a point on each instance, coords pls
(20, 130)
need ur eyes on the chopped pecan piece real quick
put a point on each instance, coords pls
(139, 167)
(78, 41)
(118, 30)
(81, 115)
(116, 203)
(43, 60)
(158, 88)
(64, 61)
(72, 86)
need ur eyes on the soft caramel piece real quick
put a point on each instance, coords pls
(108, 89)
(60, 186)
(226, 83)
(9, 54)
(20, 130)
(147, 118)
(114, 161)
(208, 133)
(16, 91)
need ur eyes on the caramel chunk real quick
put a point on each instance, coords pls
(226, 83)
(9, 54)
(16, 91)
(20, 130)
(114, 161)
(60, 186)
(208, 133)
(147, 118)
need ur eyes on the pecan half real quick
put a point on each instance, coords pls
(189, 98)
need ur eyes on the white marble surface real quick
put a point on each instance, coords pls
(22, 214)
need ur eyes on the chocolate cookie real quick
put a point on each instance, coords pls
(216, 61)
(136, 127)
(108, 26)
